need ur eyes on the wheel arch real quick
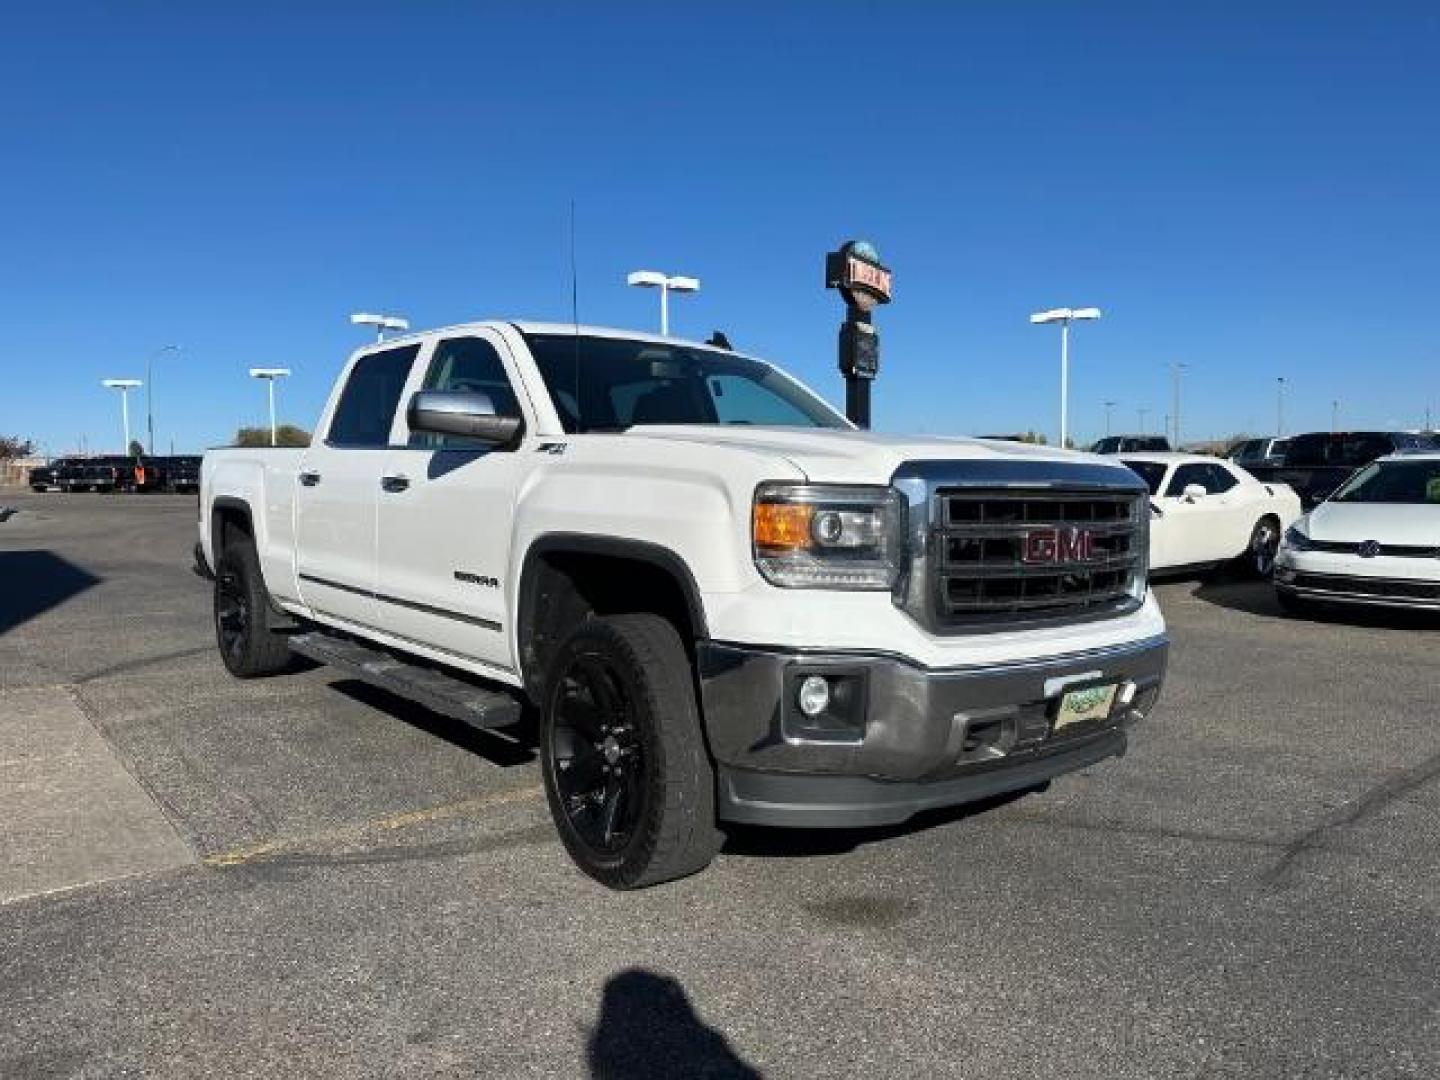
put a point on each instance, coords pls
(229, 517)
(568, 577)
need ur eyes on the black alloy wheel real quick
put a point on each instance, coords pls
(1264, 545)
(627, 774)
(599, 761)
(244, 626)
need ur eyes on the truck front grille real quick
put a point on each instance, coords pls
(1002, 556)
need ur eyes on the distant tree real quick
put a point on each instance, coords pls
(12, 446)
(1037, 438)
(137, 448)
(285, 435)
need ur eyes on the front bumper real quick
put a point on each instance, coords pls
(919, 737)
(1348, 579)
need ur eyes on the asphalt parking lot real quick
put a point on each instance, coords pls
(301, 876)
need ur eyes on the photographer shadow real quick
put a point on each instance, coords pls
(647, 1027)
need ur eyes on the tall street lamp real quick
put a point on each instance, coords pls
(653, 279)
(1064, 316)
(270, 374)
(1175, 370)
(1108, 406)
(124, 386)
(149, 390)
(380, 322)
(1140, 413)
(1280, 407)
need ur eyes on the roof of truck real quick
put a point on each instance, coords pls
(526, 326)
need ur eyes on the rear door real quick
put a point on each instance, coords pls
(445, 511)
(339, 487)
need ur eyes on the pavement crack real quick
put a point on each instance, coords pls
(1349, 813)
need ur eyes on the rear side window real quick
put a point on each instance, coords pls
(1185, 475)
(371, 395)
(1221, 479)
(468, 364)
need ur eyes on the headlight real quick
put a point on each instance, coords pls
(1296, 540)
(820, 536)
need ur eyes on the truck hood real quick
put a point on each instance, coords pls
(1392, 523)
(863, 457)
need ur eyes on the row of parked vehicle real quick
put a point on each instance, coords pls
(1339, 519)
(116, 473)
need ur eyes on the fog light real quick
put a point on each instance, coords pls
(814, 696)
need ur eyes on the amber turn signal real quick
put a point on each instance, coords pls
(783, 525)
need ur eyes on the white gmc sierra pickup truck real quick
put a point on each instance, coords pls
(724, 602)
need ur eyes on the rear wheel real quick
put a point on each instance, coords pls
(626, 772)
(249, 644)
(1259, 557)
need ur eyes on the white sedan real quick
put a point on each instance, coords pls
(1375, 541)
(1204, 512)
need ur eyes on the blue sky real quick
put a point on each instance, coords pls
(1250, 189)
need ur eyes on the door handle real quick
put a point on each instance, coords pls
(394, 483)
(309, 479)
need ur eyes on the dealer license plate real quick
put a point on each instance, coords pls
(1085, 704)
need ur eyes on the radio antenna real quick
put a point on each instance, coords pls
(574, 315)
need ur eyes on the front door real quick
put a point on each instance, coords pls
(339, 485)
(445, 516)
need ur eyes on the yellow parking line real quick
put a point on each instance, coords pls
(239, 856)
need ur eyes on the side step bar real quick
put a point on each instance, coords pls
(449, 695)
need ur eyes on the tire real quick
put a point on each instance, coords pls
(1259, 558)
(244, 632)
(627, 775)
(1296, 606)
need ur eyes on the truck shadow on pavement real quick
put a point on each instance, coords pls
(33, 582)
(517, 744)
(1258, 598)
(647, 1027)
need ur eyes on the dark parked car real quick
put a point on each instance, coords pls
(43, 478)
(182, 472)
(1318, 462)
(96, 474)
(1132, 444)
(1258, 452)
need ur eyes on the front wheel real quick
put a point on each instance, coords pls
(1259, 557)
(627, 776)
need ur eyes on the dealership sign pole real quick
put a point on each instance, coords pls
(855, 270)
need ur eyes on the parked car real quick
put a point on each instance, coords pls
(1258, 452)
(1374, 541)
(43, 477)
(1128, 444)
(1318, 462)
(1208, 512)
(112, 473)
(724, 601)
(182, 472)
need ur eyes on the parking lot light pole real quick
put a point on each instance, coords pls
(1280, 407)
(653, 279)
(381, 323)
(1064, 316)
(1140, 414)
(149, 391)
(124, 386)
(270, 375)
(1175, 370)
(1108, 406)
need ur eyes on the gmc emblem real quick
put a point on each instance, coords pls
(1058, 546)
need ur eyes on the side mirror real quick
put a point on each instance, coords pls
(1193, 492)
(467, 413)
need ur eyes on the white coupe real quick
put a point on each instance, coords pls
(1375, 541)
(1205, 512)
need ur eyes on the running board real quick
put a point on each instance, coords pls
(449, 695)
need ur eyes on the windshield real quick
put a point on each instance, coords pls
(610, 384)
(1409, 482)
(1152, 472)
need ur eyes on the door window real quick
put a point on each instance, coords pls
(1220, 480)
(469, 364)
(1185, 475)
(371, 395)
